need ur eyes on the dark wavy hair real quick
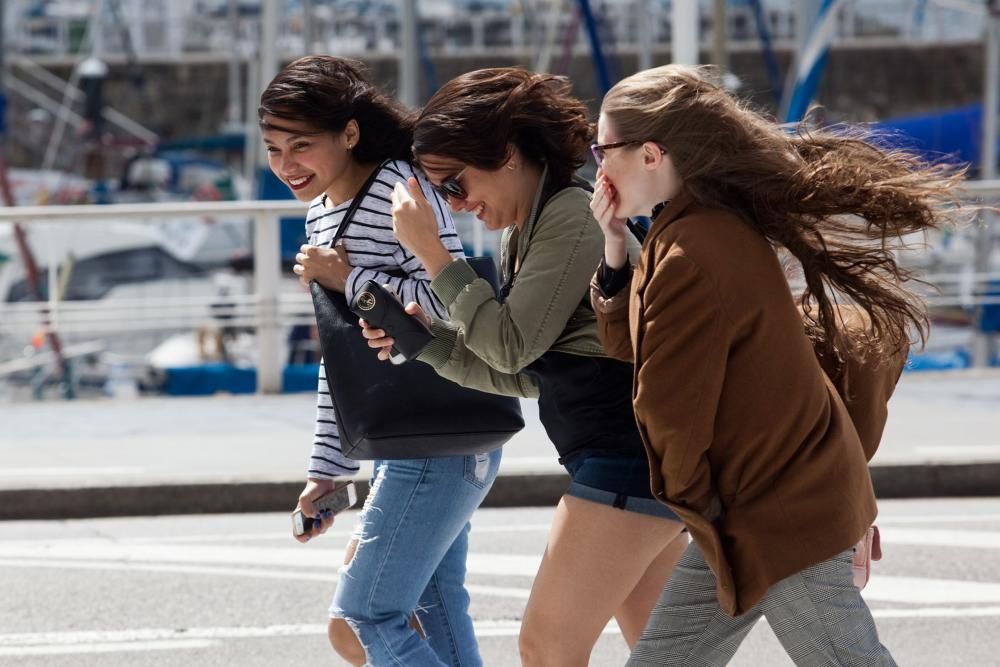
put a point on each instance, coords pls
(834, 198)
(475, 117)
(327, 92)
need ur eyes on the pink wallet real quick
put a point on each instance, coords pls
(865, 551)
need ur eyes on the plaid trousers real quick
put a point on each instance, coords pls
(817, 614)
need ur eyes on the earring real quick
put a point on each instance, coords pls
(511, 165)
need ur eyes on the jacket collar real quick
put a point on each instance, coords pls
(671, 212)
(510, 253)
(529, 224)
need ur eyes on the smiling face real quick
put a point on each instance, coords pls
(308, 163)
(642, 174)
(498, 197)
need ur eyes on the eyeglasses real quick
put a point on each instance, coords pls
(598, 150)
(450, 188)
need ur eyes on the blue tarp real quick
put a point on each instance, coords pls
(208, 379)
(955, 134)
(938, 361)
(232, 141)
(948, 360)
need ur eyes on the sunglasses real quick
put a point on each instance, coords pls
(597, 150)
(450, 188)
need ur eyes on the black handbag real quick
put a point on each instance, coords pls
(385, 411)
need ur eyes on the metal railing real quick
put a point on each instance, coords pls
(966, 280)
(266, 309)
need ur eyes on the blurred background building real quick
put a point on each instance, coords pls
(146, 109)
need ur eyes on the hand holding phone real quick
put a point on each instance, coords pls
(382, 309)
(343, 497)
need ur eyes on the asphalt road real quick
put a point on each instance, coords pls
(236, 590)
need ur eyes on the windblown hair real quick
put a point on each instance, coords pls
(475, 117)
(831, 197)
(326, 92)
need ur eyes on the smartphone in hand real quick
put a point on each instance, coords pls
(382, 309)
(343, 497)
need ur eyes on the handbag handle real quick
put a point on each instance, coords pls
(355, 203)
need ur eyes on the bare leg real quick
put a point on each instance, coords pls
(633, 615)
(595, 559)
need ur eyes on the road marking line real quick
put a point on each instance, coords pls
(70, 472)
(939, 518)
(166, 568)
(157, 634)
(51, 643)
(255, 573)
(950, 451)
(499, 591)
(42, 643)
(974, 539)
(287, 536)
(297, 556)
(937, 612)
(231, 537)
(73, 649)
(103, 550)
(522, 528)
(919, 590)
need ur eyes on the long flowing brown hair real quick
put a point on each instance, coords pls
(832, 197)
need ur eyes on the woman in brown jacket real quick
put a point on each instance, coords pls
(749, 440)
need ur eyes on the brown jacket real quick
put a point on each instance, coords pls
(748, 439)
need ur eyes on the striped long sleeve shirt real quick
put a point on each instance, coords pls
(373, 251)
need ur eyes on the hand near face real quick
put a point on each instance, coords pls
(378, 338)
(329, 267)
(416, 227)
(413, 220)
(603, 204)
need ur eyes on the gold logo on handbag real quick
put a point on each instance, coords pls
(366, 301)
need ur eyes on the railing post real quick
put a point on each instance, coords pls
(685, 32)
(982, 341)
(267, 276)
(409, 54)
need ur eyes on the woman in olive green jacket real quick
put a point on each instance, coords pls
(752, 445)
(504, 144)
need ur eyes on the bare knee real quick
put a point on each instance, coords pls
(549, 649)
(530, 648)
(345, 642)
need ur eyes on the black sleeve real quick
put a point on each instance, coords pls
(614, 281)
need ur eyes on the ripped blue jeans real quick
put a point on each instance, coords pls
(413, 538)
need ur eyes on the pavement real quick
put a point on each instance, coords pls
(215, 590)
(229, 454)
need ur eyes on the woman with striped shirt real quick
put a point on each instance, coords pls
(402, 588)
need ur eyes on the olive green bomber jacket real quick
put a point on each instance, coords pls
(488, 344)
